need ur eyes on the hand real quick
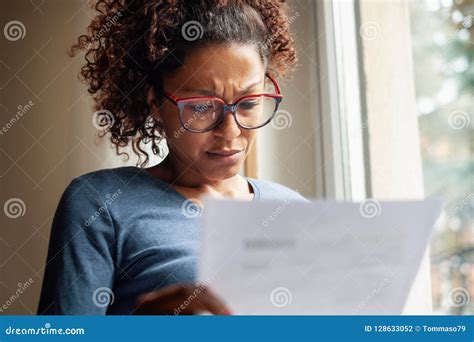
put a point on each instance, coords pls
(181, 299)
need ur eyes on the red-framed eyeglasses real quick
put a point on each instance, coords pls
(204, 113)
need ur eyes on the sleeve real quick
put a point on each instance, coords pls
(79, 272)
(283, 192)
(293, 195)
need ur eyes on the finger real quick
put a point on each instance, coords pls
(167, 299)
(171, 290)
(181, 299)
(161, 302)
(206, 300)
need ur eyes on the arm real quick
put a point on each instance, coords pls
(79, 271)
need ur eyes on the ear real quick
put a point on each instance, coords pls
(151, 100)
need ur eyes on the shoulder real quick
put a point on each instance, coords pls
(97, 188)
(272, 190)
(107, 178)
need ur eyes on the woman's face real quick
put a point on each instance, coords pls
(227, 72)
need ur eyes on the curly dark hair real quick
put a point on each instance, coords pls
(131, 44)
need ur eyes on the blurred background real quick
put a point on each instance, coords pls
(381, 105)
(443, 54)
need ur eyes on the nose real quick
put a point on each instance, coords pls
(228, 128)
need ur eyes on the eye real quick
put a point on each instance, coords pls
(201, 108)
(247, 105)
(198, 108)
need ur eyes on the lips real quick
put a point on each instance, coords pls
(225, 152)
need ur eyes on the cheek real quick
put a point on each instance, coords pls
(190, 144)
(170, 119)
(249, 136)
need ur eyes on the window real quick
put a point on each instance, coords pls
(443, 53)
(398, 96)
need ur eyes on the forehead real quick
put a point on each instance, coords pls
(220, 65)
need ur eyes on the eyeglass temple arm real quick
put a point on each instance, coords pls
(170, 97)
(277, 87)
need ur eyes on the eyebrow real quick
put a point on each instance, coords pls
(208, 92)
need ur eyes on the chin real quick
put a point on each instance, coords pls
(222, 173)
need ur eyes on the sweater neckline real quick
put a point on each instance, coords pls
(167, 187)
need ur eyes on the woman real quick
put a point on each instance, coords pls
(201, 75)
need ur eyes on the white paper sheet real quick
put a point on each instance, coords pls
(281, 257)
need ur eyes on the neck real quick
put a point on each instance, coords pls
(182, 175)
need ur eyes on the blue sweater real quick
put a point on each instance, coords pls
(121, 232)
